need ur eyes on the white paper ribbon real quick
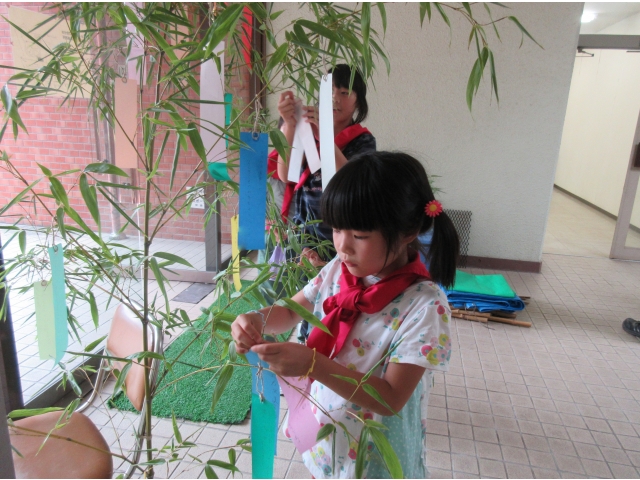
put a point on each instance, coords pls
(327, 145)
(303, 143)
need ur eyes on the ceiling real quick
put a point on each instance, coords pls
(608, 13)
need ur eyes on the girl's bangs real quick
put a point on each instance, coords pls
(348, 203)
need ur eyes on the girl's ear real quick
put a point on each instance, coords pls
(407, 239)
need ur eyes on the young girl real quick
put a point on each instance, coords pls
(376, 298)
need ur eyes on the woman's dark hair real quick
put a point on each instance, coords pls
(342, 79)
(388, 192)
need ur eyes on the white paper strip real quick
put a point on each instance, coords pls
(327, 145)
(304, 136)
(295, 160)
(212, 115)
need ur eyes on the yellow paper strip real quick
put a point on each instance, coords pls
(235, 253)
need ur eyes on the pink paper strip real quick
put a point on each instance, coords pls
(302, 425)
(126, 110)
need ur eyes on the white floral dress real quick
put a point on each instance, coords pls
(420, 318)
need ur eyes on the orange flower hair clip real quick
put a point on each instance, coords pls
(433, 208)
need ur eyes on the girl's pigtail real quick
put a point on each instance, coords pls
(443, 252)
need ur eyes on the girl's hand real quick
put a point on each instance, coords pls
(287, 108)
(312, 116)
(286, 359)
(246, 331)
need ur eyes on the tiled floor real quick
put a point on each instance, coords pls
(559, 399)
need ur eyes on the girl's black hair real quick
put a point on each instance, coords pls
(342, 79)
(388, 192)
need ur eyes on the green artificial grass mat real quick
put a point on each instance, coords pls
(190, 397)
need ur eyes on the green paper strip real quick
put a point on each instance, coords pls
(56, 257)
(228, 104)
(263, 438)
(45, 321)
(495, 285)
(218, 170)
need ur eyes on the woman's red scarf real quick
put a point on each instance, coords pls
(342, 309)
(341, 140)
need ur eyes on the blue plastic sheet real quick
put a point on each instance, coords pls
(253, 190)
(484, 303)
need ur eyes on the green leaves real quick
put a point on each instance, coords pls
(196, 141)
(11, 111)
(106, 168)
(303, 312)
(90, 198)
(389, 457)
(223, 379)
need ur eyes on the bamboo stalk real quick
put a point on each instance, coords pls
(498, 313)
(517, 323)
(473, 318)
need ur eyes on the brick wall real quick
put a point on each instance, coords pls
(63, 137)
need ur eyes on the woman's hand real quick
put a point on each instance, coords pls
(287, 108)
(246, 331)
(312, 116)
(286, 359)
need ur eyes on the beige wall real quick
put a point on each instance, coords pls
(498, 162)
(602, 113)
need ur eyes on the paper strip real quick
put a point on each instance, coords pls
(268, 386)
(264, 432)
(228, 105)
(253, 191)
(295, 159)
(126, 127)
(302, 425)
(327, 145)
(51, 310)
(235, 253)
(307, 140)
(212, 115)
(137, 51)
(218, 170)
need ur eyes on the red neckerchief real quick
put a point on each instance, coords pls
(354, 298)
(341, 140)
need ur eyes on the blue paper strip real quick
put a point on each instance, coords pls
(269, 387)
(56, 257)
(253, 191)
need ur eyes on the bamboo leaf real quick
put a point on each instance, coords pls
(361, 455)
(153, 263)
(105, 168)
(467, 7)
(494, 79)
(276, 58)
(383, 16)
(174, 164)
(176, 430)
(425, 7)
(91, 199)
(209, 472)
(389, 457)
(196, 141)
(365, 24)
(94, 309)
(173, 258)
(325, 431)
(524, 31)
(443, 15)
(350, 380)
(303, 312)
(279, 142)
(221, 464)
(32, 412)
(91, 347)
(223, 379)
(22, 240)
(58, 191)
(370, 389)
(321, 30)
(60, 219)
